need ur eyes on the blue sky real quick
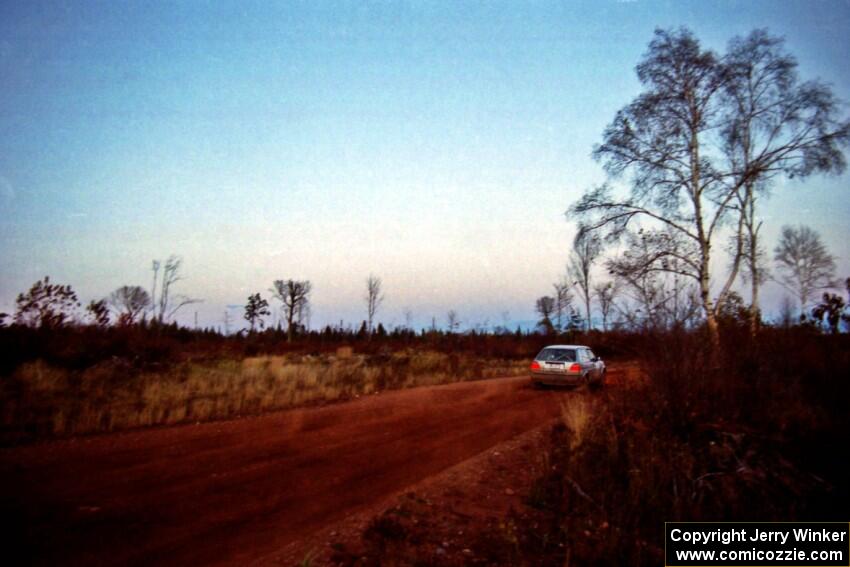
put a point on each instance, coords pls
(433, 144)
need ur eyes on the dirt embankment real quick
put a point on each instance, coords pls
(234, 492)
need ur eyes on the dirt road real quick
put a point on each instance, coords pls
(229, 492)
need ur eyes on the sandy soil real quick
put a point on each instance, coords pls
(255, 489)
(449, 519)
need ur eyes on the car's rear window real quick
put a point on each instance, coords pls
(557, 355)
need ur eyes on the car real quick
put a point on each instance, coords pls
(567, 365)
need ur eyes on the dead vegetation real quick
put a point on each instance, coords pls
(41, 400)
(86, 379)
(751, 435)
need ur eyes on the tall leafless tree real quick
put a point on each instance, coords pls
(587, 247)
(661, 289)
(696, 151)
(803, 263)
(374, 297)
(155, 264)
(130, 301)
(453, 321)
(227, 320)
(663, 294)
(774, 125)
(170, 276)
(294, 296)
(606, 293)
(660, 140)
(545, 306)
(563, 301)
(168, 304)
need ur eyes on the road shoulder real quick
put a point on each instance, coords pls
(457, 517)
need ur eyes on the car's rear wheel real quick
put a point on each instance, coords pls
(596, 384)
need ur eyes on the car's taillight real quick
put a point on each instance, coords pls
(576, 367)
(535, 365)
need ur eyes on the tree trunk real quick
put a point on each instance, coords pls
(755, 311)
(755, 276)
(713, 331)
(289, 329)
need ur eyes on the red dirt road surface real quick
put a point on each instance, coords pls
(230, 492)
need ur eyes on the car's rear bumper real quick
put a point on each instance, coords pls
(552, 379)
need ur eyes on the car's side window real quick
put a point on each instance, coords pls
(589, 354)
(583, 355)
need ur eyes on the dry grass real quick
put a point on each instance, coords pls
(577, 415)
(42, 401)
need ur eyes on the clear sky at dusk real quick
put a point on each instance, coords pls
(435, 144)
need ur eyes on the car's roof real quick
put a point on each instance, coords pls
(566, 346)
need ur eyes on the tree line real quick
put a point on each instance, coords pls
(635, 300)
(47, 306)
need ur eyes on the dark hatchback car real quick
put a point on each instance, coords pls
(567, 365)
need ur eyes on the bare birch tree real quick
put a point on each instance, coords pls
(695, 149)
(774, 125)
(606, 293)
(155, 264)
(168, 303)
(563, 301)
(130, 301)
(587, 247)
(453, 321)
(803, 263)
(374, 297)
(294, 295)
(660, 140)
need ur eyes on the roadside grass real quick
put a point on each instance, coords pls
(42, 401)
(577, 415)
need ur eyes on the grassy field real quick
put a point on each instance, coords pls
(40, 400)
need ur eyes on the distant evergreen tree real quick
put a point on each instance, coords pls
(255, 310)
(363, 332)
